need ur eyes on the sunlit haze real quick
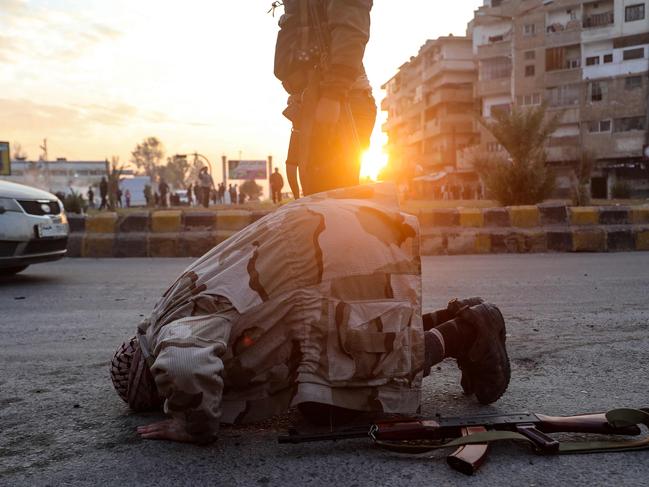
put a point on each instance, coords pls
(96, 77)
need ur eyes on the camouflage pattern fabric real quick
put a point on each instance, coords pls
(319, 301)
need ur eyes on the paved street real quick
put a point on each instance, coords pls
(578, 338)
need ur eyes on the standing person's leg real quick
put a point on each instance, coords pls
(358, 119)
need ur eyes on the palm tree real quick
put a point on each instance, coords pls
(523, 178)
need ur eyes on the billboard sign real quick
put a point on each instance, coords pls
(5, 159)
(247, 170)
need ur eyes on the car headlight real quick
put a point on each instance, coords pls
(9, 204)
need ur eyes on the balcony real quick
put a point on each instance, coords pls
(415, 137)
(561, 37)
(449, 95)
(447, 65)
(603, 19)
(447, 125)
(500, 86)
(562, 77)
(496, 49)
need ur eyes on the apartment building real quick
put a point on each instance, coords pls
(431, 116)
(589, 61)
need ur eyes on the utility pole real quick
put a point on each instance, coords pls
(46, 162)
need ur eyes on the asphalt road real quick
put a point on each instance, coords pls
(578, 338)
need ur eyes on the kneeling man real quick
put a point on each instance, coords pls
(317, 305)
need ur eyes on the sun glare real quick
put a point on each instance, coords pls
(372, 161)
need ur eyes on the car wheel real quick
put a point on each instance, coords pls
(10, 271)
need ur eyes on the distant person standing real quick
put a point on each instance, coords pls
(233, 194)
(127, 197)
(221, 193)
(276, 185)
(91, 197)
(118, 197)
(163, 188)
(190, 199)
(197, 193)
(103, 193)
(207, 183)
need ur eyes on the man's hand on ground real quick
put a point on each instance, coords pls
(169, 429)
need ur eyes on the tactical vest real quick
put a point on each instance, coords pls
(301, 42)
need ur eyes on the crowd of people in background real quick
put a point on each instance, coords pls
(202, 192)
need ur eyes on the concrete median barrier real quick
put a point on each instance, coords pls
(101, 223)
(139, 222)
(98, 245)
(197, 243)
(524, 216)
(166, 221)
(589, 240)
(471, 217)
(131, 245)
(232, 220)
(515, 229)
(165, 245)
(584, 215)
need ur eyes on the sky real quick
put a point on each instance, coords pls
(95, 77)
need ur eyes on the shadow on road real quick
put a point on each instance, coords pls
(27, 279)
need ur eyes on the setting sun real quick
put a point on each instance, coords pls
(373, 160)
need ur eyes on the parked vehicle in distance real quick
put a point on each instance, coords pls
(181, 197)
(33, 227)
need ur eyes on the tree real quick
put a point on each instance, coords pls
(176, 171)
(580, 179)
(19, 153)
(148, 155)
(251, 189)
(524, 178)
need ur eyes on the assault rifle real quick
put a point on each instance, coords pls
(471, 436)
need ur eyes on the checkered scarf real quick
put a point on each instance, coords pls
(132, 378)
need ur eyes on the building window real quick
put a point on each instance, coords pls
(600, 126)
(495, 68)
(637, 53)
(529, 70)
(529, 100)
(494, 147)
(529, 55)
(634, 12)
(598, 90)
(628, 124)
(608, 58)
(633, 82)
(567, 57)
(529, 30)
(500, 108)
(592, 60)
(565, 95)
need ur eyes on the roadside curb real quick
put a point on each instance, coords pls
(514, 229)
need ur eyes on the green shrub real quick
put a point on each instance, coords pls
(74, 203)
(523, 178)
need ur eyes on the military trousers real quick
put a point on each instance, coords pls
(330, 155)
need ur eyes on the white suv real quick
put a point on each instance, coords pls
(33, 227)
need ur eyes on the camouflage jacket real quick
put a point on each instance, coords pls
(318, 301)
(346, 27)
